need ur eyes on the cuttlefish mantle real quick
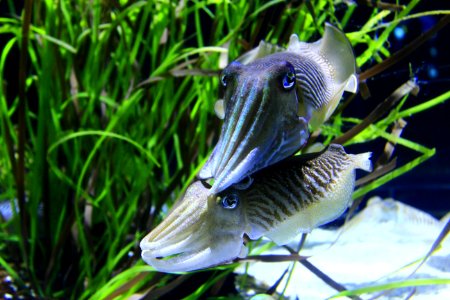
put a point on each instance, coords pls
(272, 96)
(286, 199)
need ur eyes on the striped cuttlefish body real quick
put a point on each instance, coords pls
(271, 97)
(283, 200)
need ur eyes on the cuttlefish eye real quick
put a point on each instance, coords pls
(230, 201)
(224, 80)
(229, 72)
(288, 80)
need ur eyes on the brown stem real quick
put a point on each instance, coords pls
(20, 169)
(378, 172)
(158, 293)
(324, 277)
(381, 5)
(405, 51)
(274, 287)
(380, 110)
(273, 258)
(389, 148)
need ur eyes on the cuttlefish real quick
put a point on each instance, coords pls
(285, 199)
(271, 95)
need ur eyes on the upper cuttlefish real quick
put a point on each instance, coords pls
(271, 96)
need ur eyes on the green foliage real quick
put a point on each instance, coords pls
(393, 285)
(119, 119)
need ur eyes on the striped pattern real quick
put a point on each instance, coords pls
(314, 84)
(280, 192)
(244, 111)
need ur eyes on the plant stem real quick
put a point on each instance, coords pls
(20, 169)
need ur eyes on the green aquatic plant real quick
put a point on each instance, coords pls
(107, 115)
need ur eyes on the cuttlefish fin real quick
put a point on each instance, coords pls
(334, 53)
(338, 53)
(362, 161)
(352, 84)
(219, 109)
(263, 49)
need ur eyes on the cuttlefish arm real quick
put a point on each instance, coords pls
(291, 197)
(271, 96)
(200, 232)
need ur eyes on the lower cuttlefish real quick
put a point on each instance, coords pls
(283, 200)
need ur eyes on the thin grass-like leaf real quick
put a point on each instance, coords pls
(103, 134)
(394, 174)
(393, 285)
(117, 281)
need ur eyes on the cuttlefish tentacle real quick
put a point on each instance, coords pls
(243, 123)
(271, 96)
(283, 200)
(205, 234)
(247, 141)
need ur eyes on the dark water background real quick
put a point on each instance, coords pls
(428, 185)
